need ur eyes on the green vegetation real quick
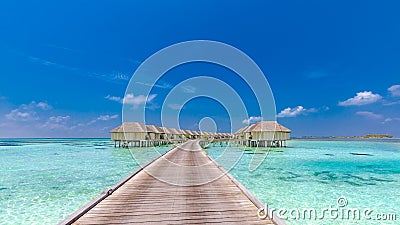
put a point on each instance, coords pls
(377, 136)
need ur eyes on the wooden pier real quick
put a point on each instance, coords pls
(183, 186)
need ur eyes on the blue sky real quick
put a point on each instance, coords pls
(333, 66)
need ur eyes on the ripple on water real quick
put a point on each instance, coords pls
(46, 180)
(360, 154)
(316, 173)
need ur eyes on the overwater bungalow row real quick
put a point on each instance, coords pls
(263, 134)
(134, 134)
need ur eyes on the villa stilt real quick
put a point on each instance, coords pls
(263, 134)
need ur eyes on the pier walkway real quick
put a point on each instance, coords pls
(183, 186)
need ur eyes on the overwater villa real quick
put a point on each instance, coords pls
(263, 134)
(156, 134)
(187, 134)
(167, 133)
(173, 135)
(134, 134)
(130, 133)
(197, 134)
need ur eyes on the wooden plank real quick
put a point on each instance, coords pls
(184, 192)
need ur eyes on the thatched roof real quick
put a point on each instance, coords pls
(241, 130)
(154, 129)
(269, 126)
(135, 127)
(249, 128)
(189, 132)
(175, 131)
(130, 127)
(195, 132)
(264, 126)
(116, 130)
(166, 130)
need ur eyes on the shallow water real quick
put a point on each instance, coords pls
(315, 174)
(42, 181)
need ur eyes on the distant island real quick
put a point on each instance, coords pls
(377, 136)
(341, 137)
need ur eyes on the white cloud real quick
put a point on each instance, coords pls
(131, 99)
(56, 123)
(162, 85)
(151, 106)
(119, 76)
(391, 120)
(188, 89)
(175, 106)
(59, 119)
(103, 118)
(33, 104)
(300, 110)
(387, 120)
(362, 98)
(313, 110)
(395, 90)
(115, 77)
(18, 115)
(43, 105)
(292, 112)
(27, 112)
(252, 119)
(137, 100)
(107, 117)
(369, 115)
(113, 98)
(386, 103)
(45, 62)
(35, 119)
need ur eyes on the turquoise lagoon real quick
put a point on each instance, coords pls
(44, 180)
(315, 174)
